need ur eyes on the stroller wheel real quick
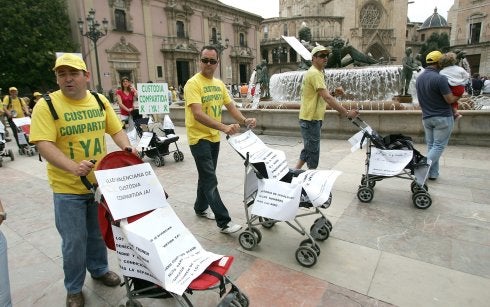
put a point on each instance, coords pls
(257, 233)
(133, 303)
(176, 157)
(181, 156)
(306, 256)
(11, 155)
(365, 194)
(313, 245)
(371, 183)
(422, 200)
(320, 232)
(159, 161)
(247, 240)
(416, 188)
(266, 223)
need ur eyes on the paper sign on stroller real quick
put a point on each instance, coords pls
(277, 200)
(168, 249)
(131, 190)
(274, 160)
(317, 184)
(388, 162)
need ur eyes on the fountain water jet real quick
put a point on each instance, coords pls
(373, 83)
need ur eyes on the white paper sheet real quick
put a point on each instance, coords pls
(131, 190)
(23, 121)
(277, 200)
(388, 162)
(145, 140)
(318, 184)
(168, 249)
(273, 159)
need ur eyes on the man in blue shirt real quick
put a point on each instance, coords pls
(435, 99)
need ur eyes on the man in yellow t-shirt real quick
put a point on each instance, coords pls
(70, 144)
(314, 96)
(204, 98)
(14, 107)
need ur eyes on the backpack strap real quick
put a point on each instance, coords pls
(99, 101)
(50, 106)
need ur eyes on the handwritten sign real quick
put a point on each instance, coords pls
(131, 190)
(168, 249)
(388, 162)
(277, 200)
(274, 160)
(318, 184)
(153, 98)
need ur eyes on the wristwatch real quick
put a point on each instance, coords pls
(3, 215)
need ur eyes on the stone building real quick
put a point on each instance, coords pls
(160, 40)
(368, 26)
(470, 31)
(418, 33)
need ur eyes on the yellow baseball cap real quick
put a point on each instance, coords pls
(433, 57)
(36, 94)
(318, 49)
(71, 60)
(12, 88)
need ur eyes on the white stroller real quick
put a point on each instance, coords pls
(4, 152)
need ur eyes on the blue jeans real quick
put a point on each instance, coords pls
(205, 155)
(310, 131)
(437, 133)
(82, 245)
(5, 300)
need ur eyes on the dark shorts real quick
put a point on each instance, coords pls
(310, 131)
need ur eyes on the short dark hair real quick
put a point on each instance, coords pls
(210, 47)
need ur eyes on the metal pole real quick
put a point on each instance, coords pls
(99, 85)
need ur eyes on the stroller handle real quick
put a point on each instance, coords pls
(85, 181)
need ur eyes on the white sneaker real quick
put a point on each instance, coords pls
(208, 213)
(231, 228)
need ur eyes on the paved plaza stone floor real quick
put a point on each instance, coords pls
(383, 253)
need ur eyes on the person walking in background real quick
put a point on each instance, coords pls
(125, 98)
(14, 107)
(70, 156)
(5, 298)
(314, 96)
(435, 99)
(205, 97)
(35, 98)
(456, 76)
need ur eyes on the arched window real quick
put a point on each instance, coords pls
(242, 40)
(180, 29)
(120, 16)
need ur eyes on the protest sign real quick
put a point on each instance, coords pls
(131, 190)
(317, 184)
(145, 140)
(153, 98)
(168, 249)
(388, 162)
(277, 200)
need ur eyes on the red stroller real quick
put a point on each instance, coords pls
(212, 278)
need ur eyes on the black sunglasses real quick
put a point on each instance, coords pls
(210, 61)
(322, 55)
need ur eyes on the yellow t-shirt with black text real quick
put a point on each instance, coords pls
(312, 105)
(16, 104)
(212, 95)
(79, 133)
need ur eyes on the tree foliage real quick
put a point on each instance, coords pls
(437, 41)
(32, 32)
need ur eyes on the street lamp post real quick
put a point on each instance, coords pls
(217, 43)
(94, 33)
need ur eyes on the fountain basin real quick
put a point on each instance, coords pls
(472, 129)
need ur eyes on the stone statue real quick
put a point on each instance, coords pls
(304, 33)
(409, 65)
(340, 51)
(263, 78)
(462, 61)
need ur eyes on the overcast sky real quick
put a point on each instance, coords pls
(417, 11)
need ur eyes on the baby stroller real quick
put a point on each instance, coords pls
(415, 169)
(308, 250)
(23, 125)
(4, 152)
(213, 278)
(158, 147)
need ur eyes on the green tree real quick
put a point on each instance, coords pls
(32, 32)
(437, 41)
